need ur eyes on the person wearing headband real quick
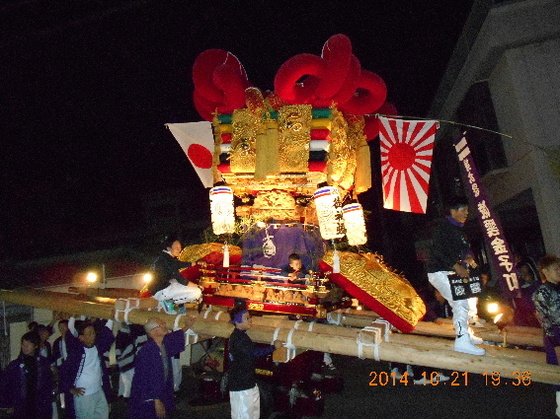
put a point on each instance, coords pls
(242, 384)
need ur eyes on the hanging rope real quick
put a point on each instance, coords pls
(362, 340)
(446, 122)
(546, 150)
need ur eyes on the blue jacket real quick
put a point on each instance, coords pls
(149, 381)
(14, 388)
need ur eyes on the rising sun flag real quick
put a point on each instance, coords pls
(406, 162)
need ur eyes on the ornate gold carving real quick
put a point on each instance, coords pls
(276, 204)
(371, 275)
(345, 140)
(196, 252)
(294, 124)
(246, 127)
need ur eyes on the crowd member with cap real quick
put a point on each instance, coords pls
(27, 383)
(244, 394)
(151, 395)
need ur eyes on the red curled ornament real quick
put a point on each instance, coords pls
(369, 96)
(371, 128)
(204, 107)
(229, 79)
(203, 73)
(350, 84)
(289, 82)
(337, 53)
(220, 82)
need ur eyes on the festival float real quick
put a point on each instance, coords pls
(284, 170)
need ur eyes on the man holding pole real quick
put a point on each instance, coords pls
(151, 396)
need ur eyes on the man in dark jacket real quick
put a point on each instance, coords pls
(450, 253)
(27, 383)
(242, 385)
(168, 285)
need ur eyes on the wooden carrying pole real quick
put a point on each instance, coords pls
(365, 343)
(516, 335)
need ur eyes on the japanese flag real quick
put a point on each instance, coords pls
(406, 162)
(197, 141)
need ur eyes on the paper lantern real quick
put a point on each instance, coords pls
(329, 212)
(222, 210)
(355, 224)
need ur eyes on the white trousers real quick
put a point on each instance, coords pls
(125, 382)
(473, 309)
(177, 373)
(178, 293)
(91, 406)
(245, 404)
(460, 308)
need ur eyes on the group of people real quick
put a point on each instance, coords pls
(75, 362)
(75, 366)
(537, 301)
(28, 382)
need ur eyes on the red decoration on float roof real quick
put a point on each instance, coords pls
(220, 82)
(371, 129)
(369, 95)
(288, 83)
(337, 55)
(334, 77)
(254, 99)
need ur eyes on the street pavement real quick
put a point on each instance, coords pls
(367, 394)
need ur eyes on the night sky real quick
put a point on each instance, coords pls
(87, 86)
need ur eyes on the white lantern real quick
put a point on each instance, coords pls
(355, 224)
(221, 208)
(329, 212)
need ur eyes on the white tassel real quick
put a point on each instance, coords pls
(336, 262)
(226, 256)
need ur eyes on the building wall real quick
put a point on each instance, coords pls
(517, 50)
(525, 87)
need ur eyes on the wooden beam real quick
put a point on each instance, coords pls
(404, 348)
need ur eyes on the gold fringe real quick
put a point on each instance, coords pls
(267, 151)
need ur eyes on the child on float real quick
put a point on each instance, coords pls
(295, 270)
